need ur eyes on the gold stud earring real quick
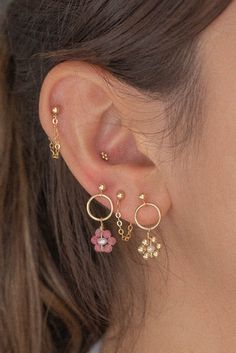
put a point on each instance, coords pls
(125, 237)
(102, 240)
(150, 247)
(54, 144)
(104, 156)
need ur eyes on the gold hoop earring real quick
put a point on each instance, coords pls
(102, 240)
(54, 144)
(125, 237)
(150, 247)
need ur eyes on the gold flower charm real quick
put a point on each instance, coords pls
(149, 248)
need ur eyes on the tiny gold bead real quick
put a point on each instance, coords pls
(104, 156)
(102, 187)
(153, 239)
(146, 256)
(142, 197)
(158, 246)
(145, 242)
(120, 195)
(55, 110)
(155, 253)
(140, 249)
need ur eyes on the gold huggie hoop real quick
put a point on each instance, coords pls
(54, 144)
(149, 247)
(102, 240)
(125, 237)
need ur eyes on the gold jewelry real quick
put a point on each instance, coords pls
(54, 144)
(125, 237)
(102, 240)
(104, 156)
(150, 247)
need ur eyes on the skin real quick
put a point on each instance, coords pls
(192, 301)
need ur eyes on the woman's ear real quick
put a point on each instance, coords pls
(93, 109)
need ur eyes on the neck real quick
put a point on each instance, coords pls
(186, 311)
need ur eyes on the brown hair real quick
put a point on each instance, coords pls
(55, 292)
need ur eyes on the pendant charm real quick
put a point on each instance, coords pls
(149, 248)
(103, 241)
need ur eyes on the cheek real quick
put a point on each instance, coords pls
(203, 193)
(212, 175)
(215, 168)
(217, 157)
(203, 185)
(206, 186)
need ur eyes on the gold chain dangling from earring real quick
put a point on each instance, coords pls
(102, 240)
(150, 247)
(54, 144)
(125, 237)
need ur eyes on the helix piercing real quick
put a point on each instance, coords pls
(54, 144)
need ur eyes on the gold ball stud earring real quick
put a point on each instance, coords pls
(150, 247)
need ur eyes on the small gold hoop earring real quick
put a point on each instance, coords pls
(101, 194)
(102, 240)
(150, 247)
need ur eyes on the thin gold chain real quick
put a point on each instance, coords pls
(121, 232)
(54, 144)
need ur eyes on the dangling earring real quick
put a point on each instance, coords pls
(54, 144)
(149, 247)
(125, 237)
(102, 240)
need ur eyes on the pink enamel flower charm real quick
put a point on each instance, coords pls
(103, 241)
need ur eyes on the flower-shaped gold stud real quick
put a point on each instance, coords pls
(149, 248)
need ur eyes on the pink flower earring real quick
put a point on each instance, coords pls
(102, 240)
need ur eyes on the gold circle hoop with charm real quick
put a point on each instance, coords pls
(102, 239)
(150, 247)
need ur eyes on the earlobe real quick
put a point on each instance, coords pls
(90, 121)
